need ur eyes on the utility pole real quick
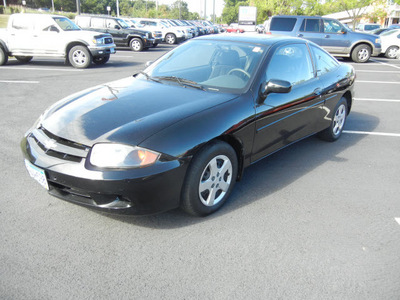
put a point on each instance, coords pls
(117, 8)
(4, 4)
(213, 11)
(205, 9)
(78, 7)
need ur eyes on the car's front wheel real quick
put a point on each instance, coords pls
(210, 179)
(392, 51)
(24, 59)
(136, 45)
(334, 131)
(101, 60)
(79, 57)
(170, 38)
(361, 53)
(3, 56)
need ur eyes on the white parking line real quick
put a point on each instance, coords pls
(41, 69)
(372, 133)
(397, 220)
(17, 81)
(373, 71)
(377, 100)
(387, 82)
(386, 64)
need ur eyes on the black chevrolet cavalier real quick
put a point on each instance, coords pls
(180, 133)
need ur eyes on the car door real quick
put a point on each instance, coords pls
(311, 29)
(48, 37)
(21, 35)
(116, 31)
(334, 39)
(282, 119)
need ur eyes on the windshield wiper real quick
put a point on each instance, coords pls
(183, 82)
(148, 77)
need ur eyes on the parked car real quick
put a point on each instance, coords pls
(171, 34)
(234, 27)
(51, 36)
(157, 34)
(391, 43)
(394, 26)
(180, 133)
(379, 31)
(367, 27)
(260, 28)
(124, 35)
(330, 34)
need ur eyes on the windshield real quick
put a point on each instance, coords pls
(390, 32)
(212, 65)
(123, 24)
(66, 24)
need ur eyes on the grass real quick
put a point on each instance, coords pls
(3, 21)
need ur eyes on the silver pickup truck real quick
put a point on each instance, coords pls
(29, 35)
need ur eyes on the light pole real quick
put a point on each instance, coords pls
(4, 4)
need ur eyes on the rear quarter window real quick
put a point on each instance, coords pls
(282, 24)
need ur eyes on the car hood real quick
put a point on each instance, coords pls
(125, 111)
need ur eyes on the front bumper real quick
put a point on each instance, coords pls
(140, 191)
(376, 51)
(102, 50)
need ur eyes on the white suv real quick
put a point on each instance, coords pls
(171, 34)
(29, 35)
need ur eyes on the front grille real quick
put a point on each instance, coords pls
(58, 147)
(108, 41)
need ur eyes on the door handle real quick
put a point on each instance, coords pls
(300, 35)
(327, 36)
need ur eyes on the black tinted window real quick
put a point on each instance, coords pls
(323, 61)
(310, 25)
(291, 63)
(282, 24)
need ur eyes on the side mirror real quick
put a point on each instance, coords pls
(276, 86)
(117, 27)
(343, 31)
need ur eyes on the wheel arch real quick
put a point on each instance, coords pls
(73, 44)
(349, 100)
(363, 42)
(4, 46)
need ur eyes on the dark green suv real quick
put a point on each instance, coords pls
(330, 34)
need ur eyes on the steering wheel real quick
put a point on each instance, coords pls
(68, 27)
(239, 70)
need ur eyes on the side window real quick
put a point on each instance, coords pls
(83, 22)
(22, 22)
(282, 24)
(291, 63)
(310, 25)
(323, 61)
(332, 26)
(97, 23)
(112, 24)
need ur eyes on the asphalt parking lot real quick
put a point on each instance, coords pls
(315, 221)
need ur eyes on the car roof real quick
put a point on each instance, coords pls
(261, 39)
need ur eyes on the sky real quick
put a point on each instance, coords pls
(198, 6)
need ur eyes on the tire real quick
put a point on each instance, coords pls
(361, 53)
(392, 52)
(170, 38)
(206, 188)
(3, 57)
(79, 57)
(334, 131)
(101, 60)
(24, 59)
(136, 45)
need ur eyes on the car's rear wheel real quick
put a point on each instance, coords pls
(361, 53)
(334, 131)
(79, 57)
(210, 179)
(170, 38)
(392, 51)
(3, 57)
(136, 45)
(101, 60)
(24, 59)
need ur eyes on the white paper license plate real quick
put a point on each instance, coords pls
(37, 174)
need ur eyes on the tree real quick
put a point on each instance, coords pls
(354, 8)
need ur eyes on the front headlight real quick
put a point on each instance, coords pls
(121, 156)
(98, 41)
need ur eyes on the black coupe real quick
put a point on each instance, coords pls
(181, 133)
